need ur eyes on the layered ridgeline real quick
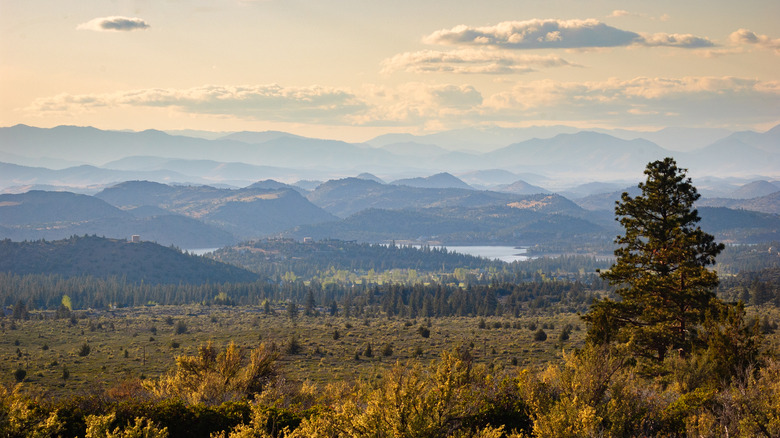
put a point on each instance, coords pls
(249, 212)
(97, 157)
(57, 215)
(139, 262)
(185, 216)
(361, 209)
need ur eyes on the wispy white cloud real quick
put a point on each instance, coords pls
(619, 102)
(558, 34)
(470, 61)
(747, 37)
(266, 102)
(686, 41)
(419, 104)
(114, 24)
(642, 100)
(621, 13)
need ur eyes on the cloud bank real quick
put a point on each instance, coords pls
(313, 104)
(558, 34)
(747, 37)
(659, 101)
(114, 24)
(619, 102)
(469, 61)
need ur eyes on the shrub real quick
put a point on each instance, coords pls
(181, 327)
(98, 426)
(84, 350)
(293, 346)
(20, 374)
(387, 350)
(540, 336)
(213, 377)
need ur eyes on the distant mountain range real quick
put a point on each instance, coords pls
(348, 209)
(477, 185)
(553, 154)
(442, 180)
(58, 215)
(244, 213)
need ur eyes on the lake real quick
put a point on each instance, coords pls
(506, 254)
(201, 251)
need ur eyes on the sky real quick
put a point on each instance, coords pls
(355, 69)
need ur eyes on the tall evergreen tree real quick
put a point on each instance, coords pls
(309, 307)
(292, 310)
(661, 270)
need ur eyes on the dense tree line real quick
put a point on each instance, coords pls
(441, 299)
(276, 257)
(504, 295)
(748, 258)
(754, 288)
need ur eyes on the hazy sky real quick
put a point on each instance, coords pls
(353, 69)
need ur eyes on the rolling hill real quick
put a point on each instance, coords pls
(245, 213)
(101, 257)
(442, 180)
(347, 196)
(58, 215)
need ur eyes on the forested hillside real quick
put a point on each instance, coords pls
(142, 262)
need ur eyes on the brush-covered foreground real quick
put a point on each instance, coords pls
(238, 372)
(103, 348)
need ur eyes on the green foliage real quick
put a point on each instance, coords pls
(84, 350)
(213, 377)
(292, 310)
(98, 426)
(145, 262)
(451, 398)
(66, 302)
(661, 270)
(22, 416)
(293, 346)
(181, 327)
(387, 350)
(368, 352)
(309, 306)
(565, 333)
(20, 374)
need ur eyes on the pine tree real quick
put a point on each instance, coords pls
(292, 310)
(309, 307)
(661, 270)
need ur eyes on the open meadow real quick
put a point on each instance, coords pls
(96, 350)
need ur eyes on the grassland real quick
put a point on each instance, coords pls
(144, 342)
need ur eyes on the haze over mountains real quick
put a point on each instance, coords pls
(197, 192)
(556, 158)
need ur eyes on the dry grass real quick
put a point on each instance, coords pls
(125, 345)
